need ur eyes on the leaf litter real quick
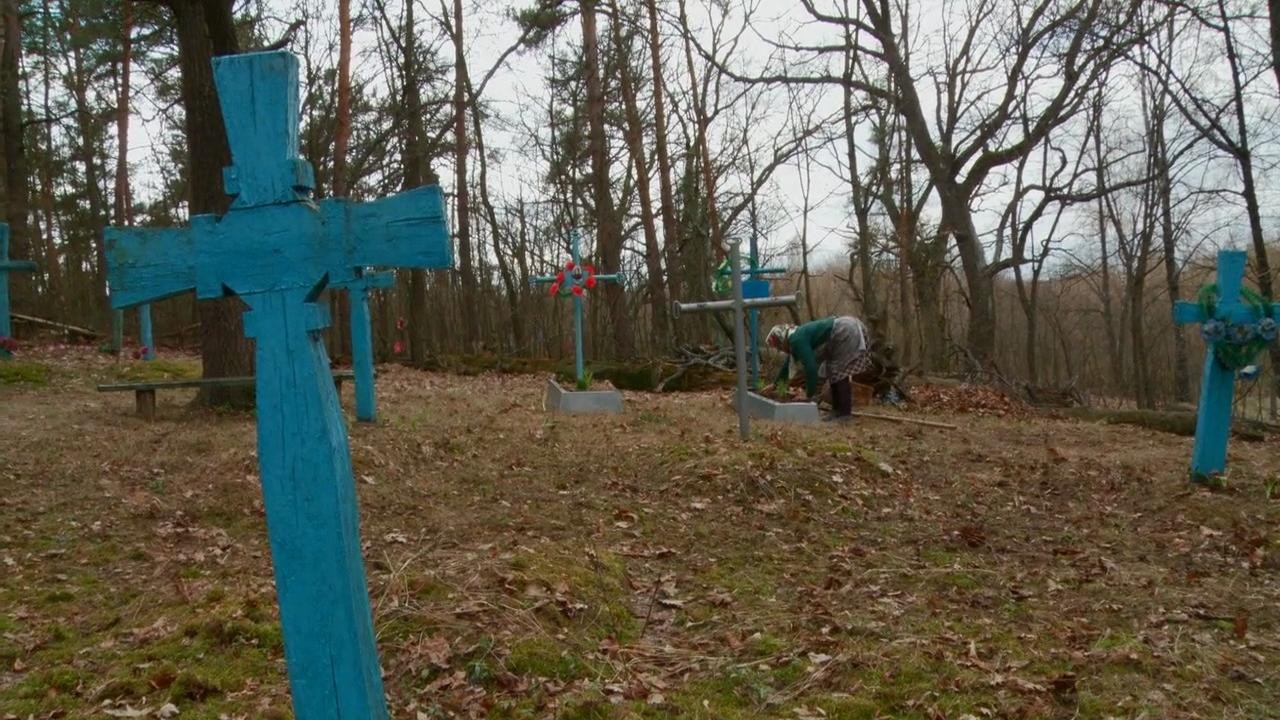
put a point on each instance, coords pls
(651, 565)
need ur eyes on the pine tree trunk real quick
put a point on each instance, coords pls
(417, 172)
(338, 340)
(17, 190)
(666, 193)
(223, 347)
(609, 235)
(635, 143)
(466, 263)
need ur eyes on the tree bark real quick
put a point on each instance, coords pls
(466, 265)
(17, 190)
(224, 350)
(1274, 7)
(510, 284)
(1244, 156)
(417, 172)
(1164, 186)
(339, 335)
(609, 234)
(666, 193)
(635, 143)
(702, 123)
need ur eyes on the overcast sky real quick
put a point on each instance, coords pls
(511, 91)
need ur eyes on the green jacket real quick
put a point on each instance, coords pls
(805, 342)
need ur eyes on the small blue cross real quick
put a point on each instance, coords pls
(1213, 421)
(8, 266)
(278, 250)
(577, 277)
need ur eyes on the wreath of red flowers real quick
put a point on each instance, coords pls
(574, 279)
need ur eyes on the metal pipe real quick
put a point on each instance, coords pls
(719, 305)
(739, 346)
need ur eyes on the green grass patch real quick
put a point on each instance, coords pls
(159, 369)
(546, 658)
(14, 372)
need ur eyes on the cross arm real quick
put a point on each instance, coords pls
(405, 230)
(148, 264)
(1188, 313)
(18, 266)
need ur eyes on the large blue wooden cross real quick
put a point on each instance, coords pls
(7, 266)
(575, 279)
(278, 250)
(1229, 318)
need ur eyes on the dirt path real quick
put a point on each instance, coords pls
(644, 566)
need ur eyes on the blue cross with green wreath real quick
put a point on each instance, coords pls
(1237, 324)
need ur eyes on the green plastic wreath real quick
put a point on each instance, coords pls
(1235, 345)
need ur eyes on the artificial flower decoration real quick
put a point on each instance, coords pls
(1241, 334)
(1214, 331)
(1235, 345)
(398, 347)
(1268, 329)
(573, 279)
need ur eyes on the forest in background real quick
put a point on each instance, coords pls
(1024, 185)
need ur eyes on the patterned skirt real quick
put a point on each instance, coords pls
(847, 353)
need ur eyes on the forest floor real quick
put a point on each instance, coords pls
(648, 565)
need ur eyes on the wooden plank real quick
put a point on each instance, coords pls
(236, 381)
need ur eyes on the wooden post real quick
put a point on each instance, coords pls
(145, 336)
(145, 400)
(8, 266)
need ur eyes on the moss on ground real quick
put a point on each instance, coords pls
(14, 372)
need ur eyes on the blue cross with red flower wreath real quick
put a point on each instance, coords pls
(574, 280)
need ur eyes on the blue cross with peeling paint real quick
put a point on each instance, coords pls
(575, 276)
(1217, 385)
(277, 250)
(8, 266)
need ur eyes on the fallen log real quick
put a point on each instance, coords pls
(1173, 422)
(64, 327)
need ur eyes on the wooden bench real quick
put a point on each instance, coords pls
(144, 393)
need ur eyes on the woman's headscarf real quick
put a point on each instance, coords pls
(779, 336)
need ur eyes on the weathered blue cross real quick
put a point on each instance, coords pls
(278, 250)
(1213, 421)
(576, 279)
(7, 266)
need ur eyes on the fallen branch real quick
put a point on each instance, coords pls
(900, 419)
(69, 329)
